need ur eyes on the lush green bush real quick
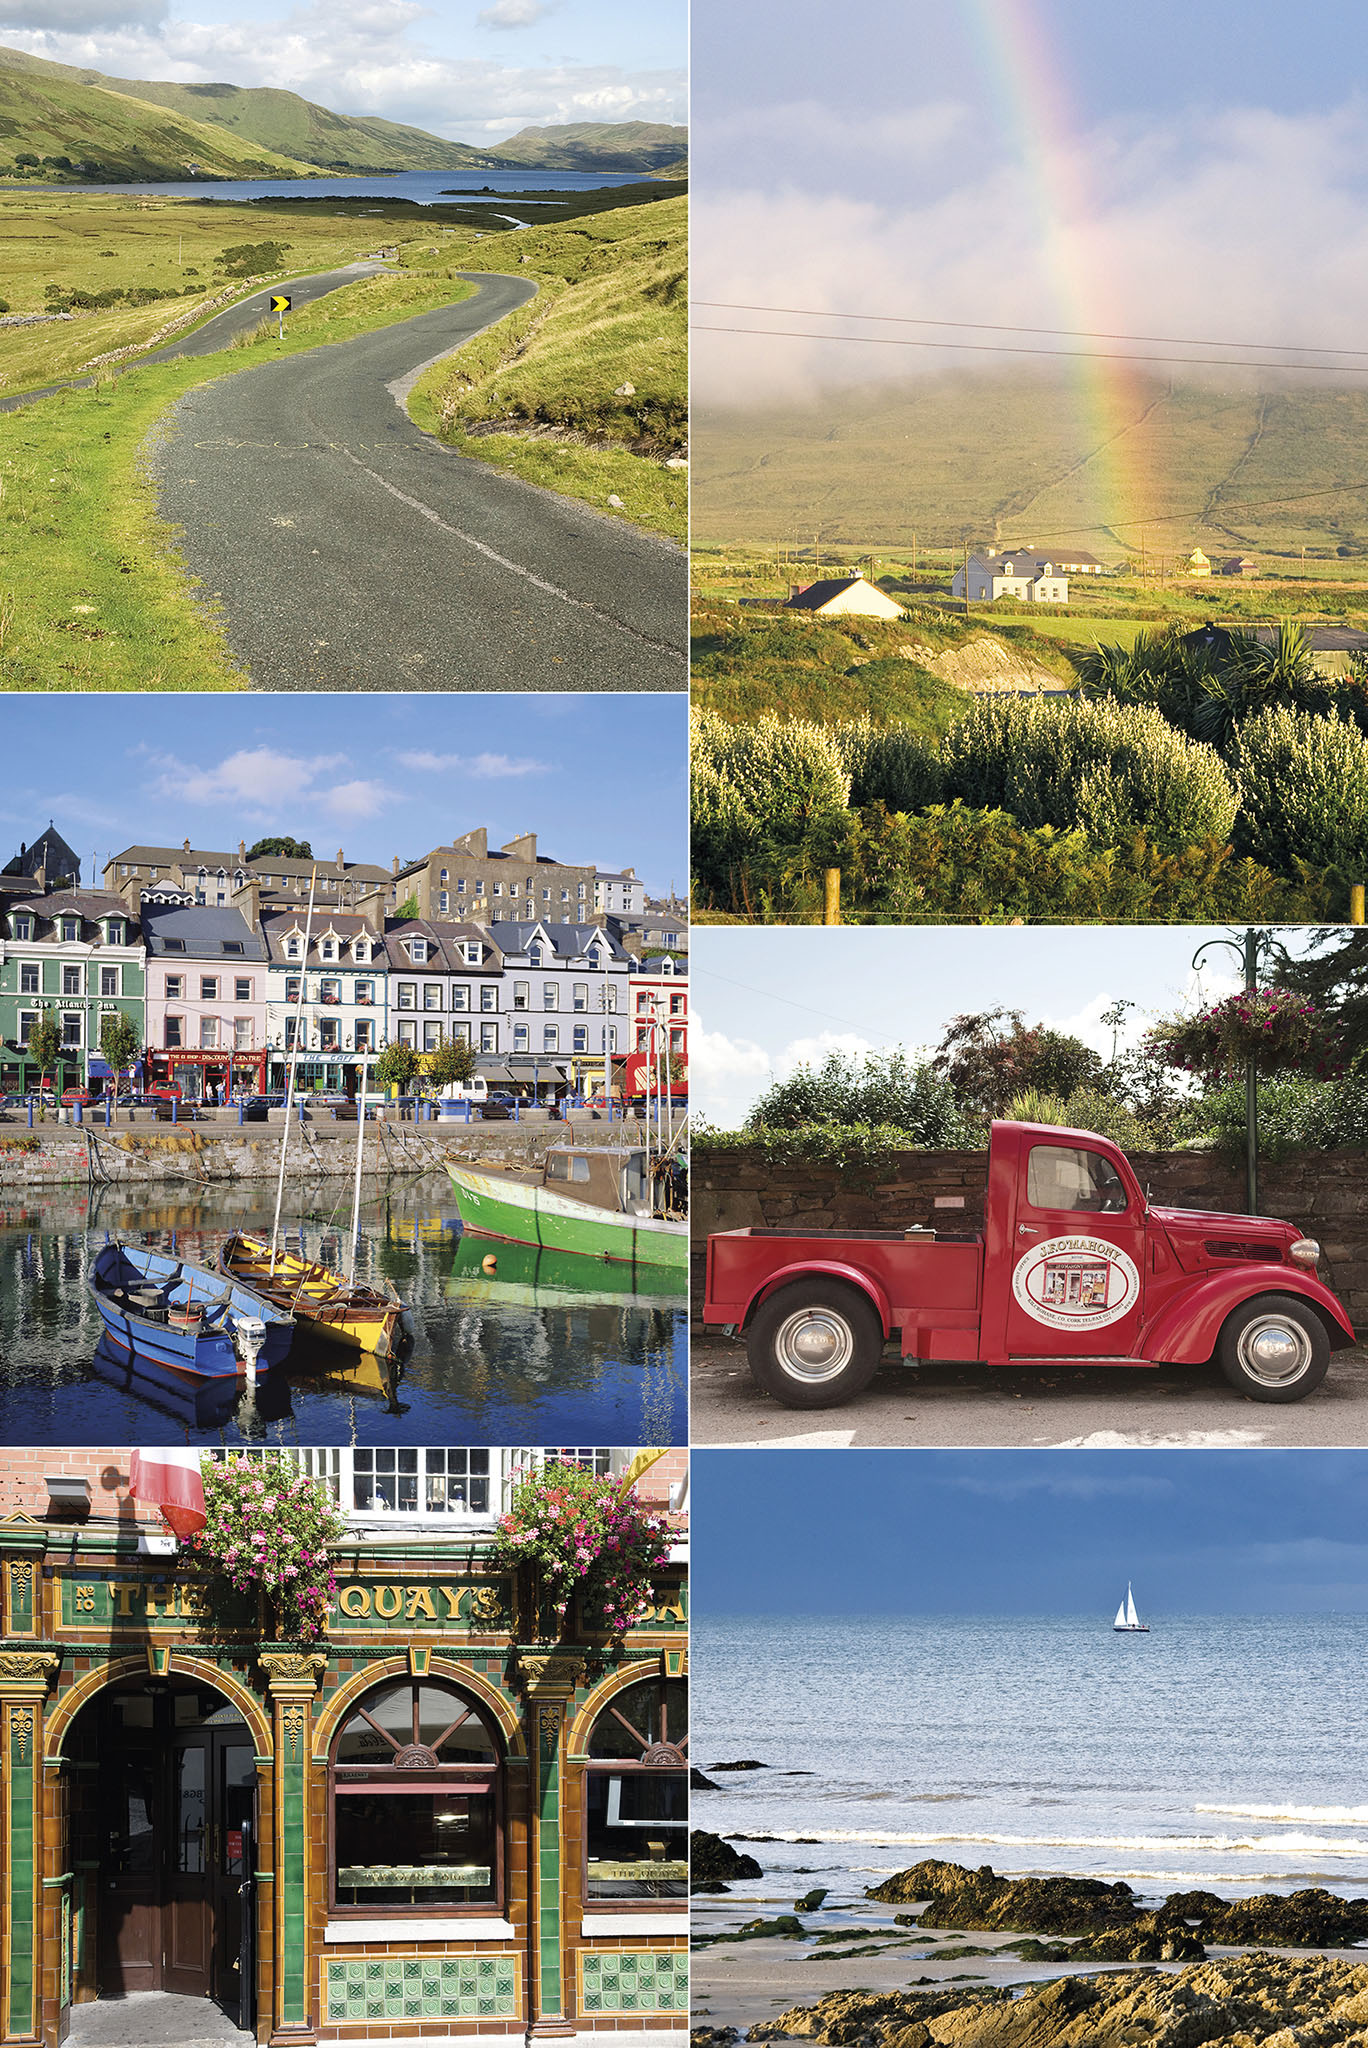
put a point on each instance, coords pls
(1113, 769)
(1206, 686)
(1087, 1109)
(955, 865)
(891, 765)
(1304, 791)
(881, 1089)
(1295, 1114)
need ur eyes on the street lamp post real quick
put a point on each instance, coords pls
(1248, 949)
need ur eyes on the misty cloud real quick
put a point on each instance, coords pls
(1247, 225)
(514, 13)
(76, 17)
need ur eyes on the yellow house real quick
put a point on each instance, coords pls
(1197, 564)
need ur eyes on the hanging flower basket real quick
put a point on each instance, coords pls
(267, 1529)
(1279, 1032)
(585, 1536)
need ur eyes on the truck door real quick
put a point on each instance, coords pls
(1077, 1252)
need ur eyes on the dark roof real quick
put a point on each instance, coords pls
(86, 904)
(161, 856)
(442, 938)
(820, 593)
(202, 931)
(568, 939)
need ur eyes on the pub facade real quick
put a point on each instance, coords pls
(447, 1817)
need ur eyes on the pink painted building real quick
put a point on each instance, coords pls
(206, 1000)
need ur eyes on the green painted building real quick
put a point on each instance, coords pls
(79, 956)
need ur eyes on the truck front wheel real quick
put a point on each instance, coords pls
(1273, 1349)
(814, 1344)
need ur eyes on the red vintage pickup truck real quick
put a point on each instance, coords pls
(1074, 1266)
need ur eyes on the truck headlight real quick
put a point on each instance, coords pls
(1304, 1252)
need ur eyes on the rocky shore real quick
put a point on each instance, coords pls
(1238, 2002)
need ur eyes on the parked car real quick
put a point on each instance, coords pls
(164, 1091)
(496, 1106)
(74, 1097)
(13, 1102)
(255, 1108)
(1074, 1265)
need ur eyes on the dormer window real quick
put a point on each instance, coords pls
(418, 952)
(23, 928)
(534, 956)
(114, 931)
(292, 949)
(71, 930)
(473, 952)
(360, 949)
(327, 949)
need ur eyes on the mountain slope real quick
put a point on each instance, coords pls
(266, 120)
(99, 133)
(596, 146)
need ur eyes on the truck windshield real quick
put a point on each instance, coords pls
(1063, 1177)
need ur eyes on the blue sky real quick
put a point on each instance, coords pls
(473, 70)
(767, 998)
(598, 778)
(1029, 1532)
(1038, 162)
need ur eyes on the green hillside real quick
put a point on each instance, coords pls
(961, 457)
(597, 146)
(53, 126)
(268, 119)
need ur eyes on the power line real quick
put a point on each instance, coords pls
(1003, 348)
(993, 327)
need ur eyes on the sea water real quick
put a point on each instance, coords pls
(424, 188)
(1214, 1753)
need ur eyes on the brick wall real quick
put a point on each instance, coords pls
(23, 1474)
(1324, 1193)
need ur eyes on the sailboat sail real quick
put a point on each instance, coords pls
(1127, 1620)
(1120, 1621)
(1132, 1618)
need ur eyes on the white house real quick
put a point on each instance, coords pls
(565, 995)
(1016, 572)
(844, 596)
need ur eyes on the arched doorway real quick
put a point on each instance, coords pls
(163, 1818)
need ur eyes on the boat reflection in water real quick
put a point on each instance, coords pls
(533, 1277)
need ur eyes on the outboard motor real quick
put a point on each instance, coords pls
(249, 1336)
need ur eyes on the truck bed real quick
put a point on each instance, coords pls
(928, 1286)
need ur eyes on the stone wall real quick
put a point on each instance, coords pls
(1324, 1193)
(67, 1155)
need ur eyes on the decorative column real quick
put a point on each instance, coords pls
(294, 1679)
(549, 1678)
(25, 1677)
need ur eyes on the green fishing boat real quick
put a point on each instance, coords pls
(611, 1213)
(529, 1276)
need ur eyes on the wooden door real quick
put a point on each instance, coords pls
(129, 1909)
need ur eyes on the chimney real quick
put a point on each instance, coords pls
(523, 848)
(476, 842)
(394, 866)
(186, 847)
(247, 899)
(341, 860)
(242, 849)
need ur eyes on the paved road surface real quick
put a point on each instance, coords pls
(944, 1406)
(350, 551)
(216, 333)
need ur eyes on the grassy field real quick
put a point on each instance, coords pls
(544, 395)
(93, 595)
(962, 456)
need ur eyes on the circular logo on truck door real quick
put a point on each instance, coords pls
(1076, 1283)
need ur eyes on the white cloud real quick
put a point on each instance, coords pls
(75, 17)
(354, 56)
(1127, 246)
(258, 777)
(487, 766)
(1016, 1485)
(727, 1074)
(513, 13)
(358, 799)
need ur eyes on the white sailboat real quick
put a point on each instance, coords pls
(1128, 1622)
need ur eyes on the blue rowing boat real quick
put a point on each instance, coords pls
(158, 1308)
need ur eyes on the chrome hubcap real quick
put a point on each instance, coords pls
(1274, 1351)
(815, 1344)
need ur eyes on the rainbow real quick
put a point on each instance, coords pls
(1018, 50)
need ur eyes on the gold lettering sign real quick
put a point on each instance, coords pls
(439, 1606)
(419, 1601)
(388, 1601)
(354, 1600)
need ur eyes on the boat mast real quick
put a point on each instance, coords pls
(290, 1074)
(360, 1142)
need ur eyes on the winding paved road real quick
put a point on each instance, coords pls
(349, 551)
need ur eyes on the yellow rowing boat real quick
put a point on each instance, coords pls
(344, 1311)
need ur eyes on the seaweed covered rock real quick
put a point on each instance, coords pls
(1029, 1905)
(1305, 1919)
(1240, 2002)
(713, 1861)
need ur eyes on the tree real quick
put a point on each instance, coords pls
(409, 908)
(119, 1040)
(452, 1060)
(1334, 973)
(990, 1056)
(882, 1088)
(45, 1042)
(286, 849)
(397, 1065)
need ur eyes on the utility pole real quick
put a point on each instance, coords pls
(914, 558)
(966, 579)
(1249, 948)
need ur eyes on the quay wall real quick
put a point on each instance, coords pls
(1325, 1193)
(52, 1155)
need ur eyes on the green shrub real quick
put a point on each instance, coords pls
(1087, 1109)
(890, 765)
(1113, 769)
(881, 1090)
(1304, 791)
(1295, 1114)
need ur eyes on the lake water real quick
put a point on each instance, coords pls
(548, 1349)
(1230, 1755)
(424, 188)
